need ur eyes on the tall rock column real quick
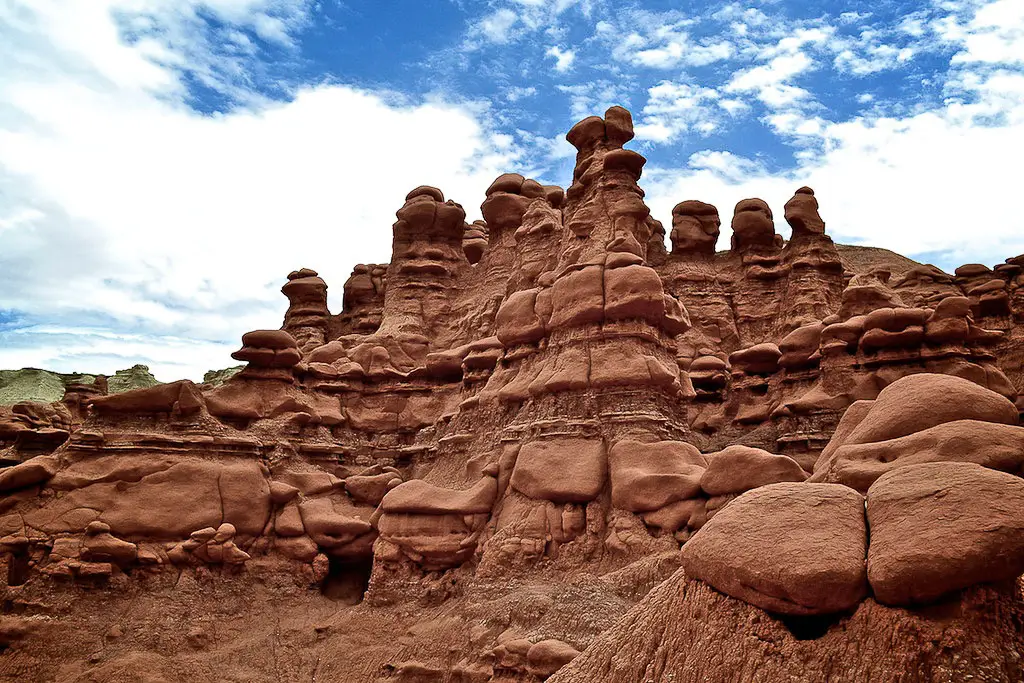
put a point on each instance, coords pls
(307, 318)
(588, 362)
(426, 259)
(816, 282)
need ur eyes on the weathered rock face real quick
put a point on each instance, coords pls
(695, 228)
(519, 426)
(685, 631)
(808, 559)
(307, 319)
(940, 527)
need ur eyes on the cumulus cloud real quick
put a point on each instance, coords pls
(769, 81)
(563, 58)
(132, 222)
(995, 34)
(677, 108)
(126, 209)
(899, 183)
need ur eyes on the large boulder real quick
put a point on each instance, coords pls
(790, 548)
(564, 470)
(648, 476)
(419, 497)
(29, 473)
(740, 468)
(922, 418)
(917, 402)
(997, 446)
(940, 527)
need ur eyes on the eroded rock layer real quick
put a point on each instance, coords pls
(516, 429)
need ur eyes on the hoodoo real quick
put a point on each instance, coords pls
(544, 446)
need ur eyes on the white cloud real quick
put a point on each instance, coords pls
(927, 184)
(519, 18)
(563, 58)
(995, 34)
(594, 96)
(673, 109)
(769, 81)
(497, 27)
(660, 41)
(872, 59)
(123, 205)
(516, 93)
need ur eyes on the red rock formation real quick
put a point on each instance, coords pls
(307, 318)
(518, 427)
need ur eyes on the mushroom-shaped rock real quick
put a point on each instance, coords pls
(802, 214)
(586, 132)
(507, 201)
(695, 228)
(941, 527)
(752, 225)
(307, 316)
(618, 125)
(760, 359)
(790, 548)
(268, 349)
(742, 468)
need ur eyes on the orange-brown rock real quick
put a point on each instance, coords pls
(740, 468)
(802, 214)
(517, 428)
(752, 225)
(695, 228)
(808, 560)
(941, 527)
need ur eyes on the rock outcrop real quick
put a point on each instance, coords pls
(517, 428)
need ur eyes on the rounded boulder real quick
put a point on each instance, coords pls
(941, 527)
(790, 548)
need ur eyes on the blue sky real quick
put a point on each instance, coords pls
(165, 163)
